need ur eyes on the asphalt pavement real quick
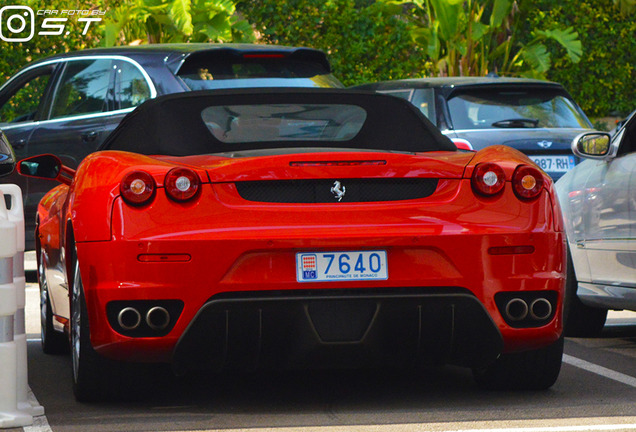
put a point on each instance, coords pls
(595, 391)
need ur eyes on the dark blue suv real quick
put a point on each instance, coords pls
(68, 104)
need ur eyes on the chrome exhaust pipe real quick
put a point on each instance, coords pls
(129, 318)
(540, 309)
(158, 318)
(516, 309)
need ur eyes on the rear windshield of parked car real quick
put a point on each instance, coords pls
(490, 108)
(205, 73)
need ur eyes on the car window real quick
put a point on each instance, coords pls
(402, 93)
(483, 109)
(627, 138)
(284, 122)
(23, 105)
(202, 73)
(131, 87)
(423, 99)
(83, 88)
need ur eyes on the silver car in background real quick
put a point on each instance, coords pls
(598, 199)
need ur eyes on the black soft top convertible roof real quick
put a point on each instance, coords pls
(172, 124)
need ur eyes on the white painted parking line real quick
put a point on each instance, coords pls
(564, 425)
(40, 423)
(600, 370)
(581, 428)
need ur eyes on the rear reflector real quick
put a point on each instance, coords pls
(337, 163)
(164, 257)
(511, 250)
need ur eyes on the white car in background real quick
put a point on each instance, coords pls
(598, 199)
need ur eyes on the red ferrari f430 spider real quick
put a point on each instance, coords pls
(299, 228)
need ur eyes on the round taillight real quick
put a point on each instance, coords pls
(137, 188)
(182, 184)
(488, 179)
(527, 182)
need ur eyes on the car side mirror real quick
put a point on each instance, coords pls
(592, 145)
(462, 144)
(46, 166)
(7, 157)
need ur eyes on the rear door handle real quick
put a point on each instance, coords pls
(89, 136)
(19, 143)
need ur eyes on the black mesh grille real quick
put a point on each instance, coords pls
(320, 191)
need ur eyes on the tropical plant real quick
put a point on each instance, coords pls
(627, 7)
(476, 37)
(365, 40)
(155, 21)
(603, 82)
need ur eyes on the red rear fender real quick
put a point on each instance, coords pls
(96, 185)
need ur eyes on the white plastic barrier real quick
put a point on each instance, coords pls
(12, 363)
(16, 215)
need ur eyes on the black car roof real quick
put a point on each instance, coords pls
(158, 124)
(181, 50)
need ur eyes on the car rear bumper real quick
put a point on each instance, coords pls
(438, 305)
(352, 328)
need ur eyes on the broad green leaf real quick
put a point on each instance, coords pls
(568, 39)
(448, 13)
(221, 21)
(626, 7)
(179, 13)
(161, 19)
(222, 5)
(111, 33)
(500, 11)
(428, 38)
(479, 30)
(537, 57)
(461, 46)
(151, 3)
(390, 7)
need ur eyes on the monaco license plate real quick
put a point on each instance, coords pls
(554, 163)
(341, 266)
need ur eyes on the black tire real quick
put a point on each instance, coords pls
(53, 342)
(529, 370)
(580, 320)
(95, 378)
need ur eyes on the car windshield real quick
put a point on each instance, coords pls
(497, 108)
